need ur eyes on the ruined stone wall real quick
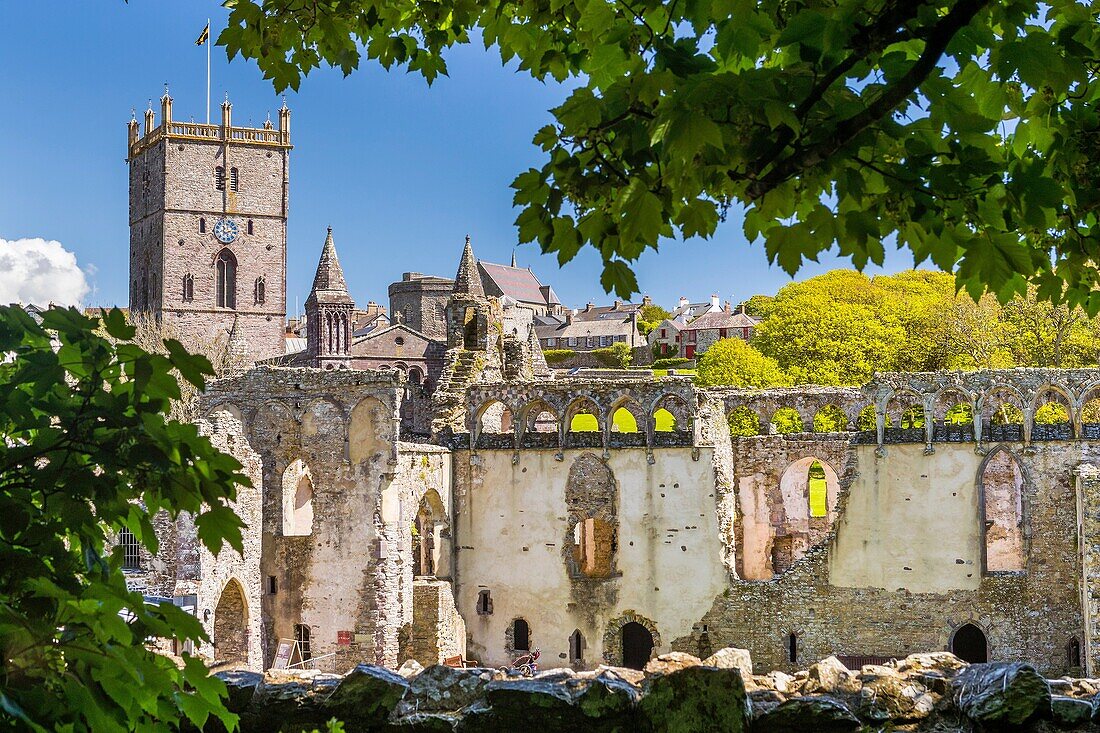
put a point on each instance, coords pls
(341, 573)
(514, 538)
(903, 569)
(229, 588)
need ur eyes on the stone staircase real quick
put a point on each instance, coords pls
(449, 400)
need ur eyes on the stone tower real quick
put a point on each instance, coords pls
(468, 309)
(328, 312)
(208, 212)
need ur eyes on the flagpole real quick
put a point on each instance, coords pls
(208, 71)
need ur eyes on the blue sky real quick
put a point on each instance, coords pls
(400, 171)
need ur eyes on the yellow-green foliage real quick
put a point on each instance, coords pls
(557, 356)
(733, 362)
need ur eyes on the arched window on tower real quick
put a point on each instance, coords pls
(250, 226)
(226, 280)
(202, 225)
(234, 180)
(188, 287)
(261, 290)
(219, 178)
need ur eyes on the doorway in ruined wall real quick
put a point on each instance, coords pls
(231, 626)
(969, 644)
(591, 542)
(430, 521)
(637, 645)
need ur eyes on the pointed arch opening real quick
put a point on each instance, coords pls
(743, 422)
(584, 426)
(225, 280)
(427, 531)
(809, 488)
(830, 419)
(1002, 415)
(576, 647)
(1053, 417)
(297, 500)
(230, 633)
(786, 420)
(1001, 488)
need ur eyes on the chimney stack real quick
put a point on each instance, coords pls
(683, 302)
(714, 302)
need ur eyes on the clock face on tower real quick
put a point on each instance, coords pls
(225, 230)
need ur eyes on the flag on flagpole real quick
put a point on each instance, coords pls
(204, 36)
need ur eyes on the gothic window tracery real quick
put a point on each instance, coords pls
(226, 280)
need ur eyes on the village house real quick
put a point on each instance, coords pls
(593, 327)
(693, 328)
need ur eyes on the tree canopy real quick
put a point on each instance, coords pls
(841, 327)
(87, 452)
(735, 363)
(965, 131)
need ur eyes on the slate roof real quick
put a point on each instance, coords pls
(721, 319)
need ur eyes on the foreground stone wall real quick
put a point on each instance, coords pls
(677, 692)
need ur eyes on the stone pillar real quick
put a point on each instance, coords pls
(1088, 529)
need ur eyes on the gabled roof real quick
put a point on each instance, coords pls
(515, 282)
(721, 319)
(392, 330)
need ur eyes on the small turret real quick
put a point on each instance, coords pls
(166, 108)
(284, 121)
(328, 312)
(227, 113)
(132, 130)
(468, 279)
(149, 121)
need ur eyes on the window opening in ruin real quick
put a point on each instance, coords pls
(913, 417)
(231, 625)
(594, 546)
(131, 550)
(1002, 511)
(484, 603)
(1051, 413)
(960, 414)
(297, 500)
(301, 638)
(425, 530)
(866, 419)
(1073, 654)
(226, 280)
(786, 420)
(202, 225)
(831, 419)
(1090, 412)
(188, 287)
(415, 377)
(969, 644)
(664, 421)
(521, 635)
(1007, 414)
(743, 422)
(818, 490)
(624, 421)
(792, 648)
(249, 226)
(272, 585)
(470, 329)
(234, 180)
(576, 647)
(219, 178)
(584, 422)
(637, 645)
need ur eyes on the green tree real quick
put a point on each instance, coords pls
(733, 362)
(86, 450)
(832, 329)
(617, 356)
(650, 317)
(963, 130)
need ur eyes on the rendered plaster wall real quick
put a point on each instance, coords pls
(903, 570)
(513, 537)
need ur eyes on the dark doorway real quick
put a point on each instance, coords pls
(470, 330)
(969, 644)
(521, 635)
(301, 635)
(637, 645)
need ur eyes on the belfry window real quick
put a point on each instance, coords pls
(261, 290)
(219, 178)
(189, 287)
(226, 280)
(234, 180)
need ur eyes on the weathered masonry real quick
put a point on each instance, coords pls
(610, 518)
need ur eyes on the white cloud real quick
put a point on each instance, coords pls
(40, 271)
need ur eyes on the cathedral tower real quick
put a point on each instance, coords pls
(208, 212)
